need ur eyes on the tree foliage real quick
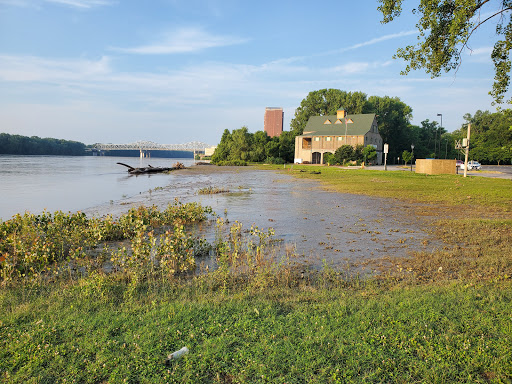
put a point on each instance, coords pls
(24, 145)
(326, 102)
(241, 146)
(445, 28)
(406, 156)
(393, 119)
(491, 136)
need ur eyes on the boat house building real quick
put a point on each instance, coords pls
(327, 133)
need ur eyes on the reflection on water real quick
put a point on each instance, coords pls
(321, 225)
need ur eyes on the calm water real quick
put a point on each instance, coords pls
(35, 183)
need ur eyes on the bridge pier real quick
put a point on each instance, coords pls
(144, 153)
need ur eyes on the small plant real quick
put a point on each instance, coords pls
(212, 190)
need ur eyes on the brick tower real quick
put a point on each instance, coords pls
(273, 121)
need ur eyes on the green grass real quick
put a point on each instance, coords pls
(453, 190)
(435, 317)
(88, 332)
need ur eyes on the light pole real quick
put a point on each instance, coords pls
(441, 115)
(412, 154)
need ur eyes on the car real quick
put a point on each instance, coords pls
(474, 165)
(460, 164)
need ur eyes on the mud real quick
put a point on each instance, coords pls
(323, 227)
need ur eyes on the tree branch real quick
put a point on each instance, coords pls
(465, 45)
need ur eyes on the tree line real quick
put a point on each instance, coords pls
(491, 136)
(24, 145)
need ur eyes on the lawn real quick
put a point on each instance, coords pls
(443, 316)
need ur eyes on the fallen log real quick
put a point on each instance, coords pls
(151, 169)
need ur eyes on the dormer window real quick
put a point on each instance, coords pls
(327, 121)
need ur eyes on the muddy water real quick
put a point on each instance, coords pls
(321, 225)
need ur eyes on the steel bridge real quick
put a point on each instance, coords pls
(146, 146)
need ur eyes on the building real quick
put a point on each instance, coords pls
(209, 151)
(327, 133)
(273, 121)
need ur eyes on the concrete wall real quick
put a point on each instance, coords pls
(436, 166)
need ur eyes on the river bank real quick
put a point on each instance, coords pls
(433, 316)
(342, 230)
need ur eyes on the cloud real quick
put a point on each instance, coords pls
(83, 4)
(379, 40)
(184, 40)
(36, 69)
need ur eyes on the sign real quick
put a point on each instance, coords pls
(386, 147)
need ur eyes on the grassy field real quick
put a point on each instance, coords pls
(433, 317)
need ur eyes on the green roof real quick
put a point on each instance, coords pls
(361, 125)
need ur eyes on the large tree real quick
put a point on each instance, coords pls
(491, 136)
(393, 119)
(326, 102)
(445, 28)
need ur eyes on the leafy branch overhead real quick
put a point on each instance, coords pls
(445, 28)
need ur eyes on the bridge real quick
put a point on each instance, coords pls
(145, 146)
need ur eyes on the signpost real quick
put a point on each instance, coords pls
(386, 147)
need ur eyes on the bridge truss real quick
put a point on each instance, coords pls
(151, 146)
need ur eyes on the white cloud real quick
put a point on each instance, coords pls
(36, 69)
(83, 4)
(184, 40)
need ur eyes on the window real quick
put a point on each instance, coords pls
(317, 139)
(340, 138)
(328, 138)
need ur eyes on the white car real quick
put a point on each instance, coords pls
(474, 165)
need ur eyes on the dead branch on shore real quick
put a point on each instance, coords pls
(151, 169)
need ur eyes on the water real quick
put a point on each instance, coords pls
(320, 225)
(36, 183)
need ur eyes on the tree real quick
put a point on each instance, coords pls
(406, 156)
(326, 102)
(393, 118)
(369, 153)
(445, 28)
(329, 158)
(491, 136)
(344, 154)
(223, 149)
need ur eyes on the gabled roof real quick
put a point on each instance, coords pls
(361, 125)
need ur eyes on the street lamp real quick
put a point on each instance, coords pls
(412, 154)
(441, 115)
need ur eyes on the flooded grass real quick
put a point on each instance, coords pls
(262, 315)
(212, 190)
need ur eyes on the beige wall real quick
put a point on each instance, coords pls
(436, 166)
(209, 151)
(323, 145)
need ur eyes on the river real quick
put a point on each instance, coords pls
(338, 228)
(69, 183)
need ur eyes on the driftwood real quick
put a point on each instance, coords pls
(150, 169)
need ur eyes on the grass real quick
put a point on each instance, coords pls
(212, 190)
(453, 190)
(443, 316)
(89, 332)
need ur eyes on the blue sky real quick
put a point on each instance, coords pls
(174, 71)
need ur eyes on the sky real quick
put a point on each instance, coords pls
(176, 71)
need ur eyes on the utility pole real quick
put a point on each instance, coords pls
(466, 152)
